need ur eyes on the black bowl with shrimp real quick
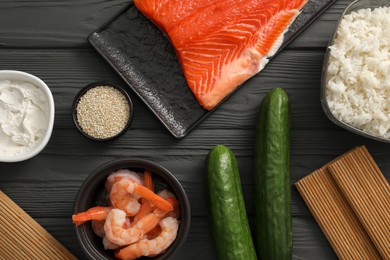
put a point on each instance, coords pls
(128, 209)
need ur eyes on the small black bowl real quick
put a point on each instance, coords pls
(83, 91)
(91, 192)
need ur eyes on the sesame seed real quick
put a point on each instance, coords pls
(103, 112)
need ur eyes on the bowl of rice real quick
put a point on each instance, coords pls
(355, 92)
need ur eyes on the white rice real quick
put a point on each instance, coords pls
(358, 88)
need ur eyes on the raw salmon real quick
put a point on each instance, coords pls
(221, 43)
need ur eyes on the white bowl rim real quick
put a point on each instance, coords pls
(24, 76)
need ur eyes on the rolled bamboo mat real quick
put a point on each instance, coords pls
(368, 193)
(350, 199)
(335, 217)
(23, 238)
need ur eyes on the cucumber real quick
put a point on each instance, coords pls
(229, 223)
(273, 221)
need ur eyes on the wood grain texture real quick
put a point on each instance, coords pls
(54, 24)
(50, 42)
(335, 216)
(25, 238)
(368, 193)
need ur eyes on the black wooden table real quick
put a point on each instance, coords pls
(49, 39)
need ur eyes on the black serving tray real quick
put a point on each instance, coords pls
(147, 62)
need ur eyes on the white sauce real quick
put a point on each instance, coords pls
(24, 116)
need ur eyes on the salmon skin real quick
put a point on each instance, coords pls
(221, 43)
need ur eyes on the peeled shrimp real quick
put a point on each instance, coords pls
(98, 227)
(166, 194)
(145, 209)
(94, 213)
(124, 192)
(118, 234)
(120, 198)
(169, 227)
(170, 196)
(108, 244)
(146, 206)
(120, 175)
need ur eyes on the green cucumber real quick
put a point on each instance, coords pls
(229, 223)
(273, 222)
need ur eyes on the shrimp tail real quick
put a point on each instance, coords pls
(155, 199)
(144, 210)
(94, 213)
(151, 220)
(146, 206)
(175, 213)
(148, 180)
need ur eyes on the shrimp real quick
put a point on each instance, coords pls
(148, 180)
(108, 244)
(155, 232)
(98, 227)
(146, 206)
(120, 175)
(124, 200)
(165, 194)
(145, 209)
(118, 197)
(126, 190)
(170, 196)
(145, 247)
(118, 234)
(94, 213)
(174, 213)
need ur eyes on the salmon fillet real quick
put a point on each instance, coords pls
(221, 43)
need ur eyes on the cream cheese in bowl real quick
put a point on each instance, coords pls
(23, 116)
(26, 115)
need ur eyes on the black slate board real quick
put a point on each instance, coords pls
(146, 60)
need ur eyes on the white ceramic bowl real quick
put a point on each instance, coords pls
(42, 142)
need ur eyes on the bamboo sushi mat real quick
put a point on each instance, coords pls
(350, 199)
(23, 238)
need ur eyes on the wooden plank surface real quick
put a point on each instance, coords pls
(48, 39)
